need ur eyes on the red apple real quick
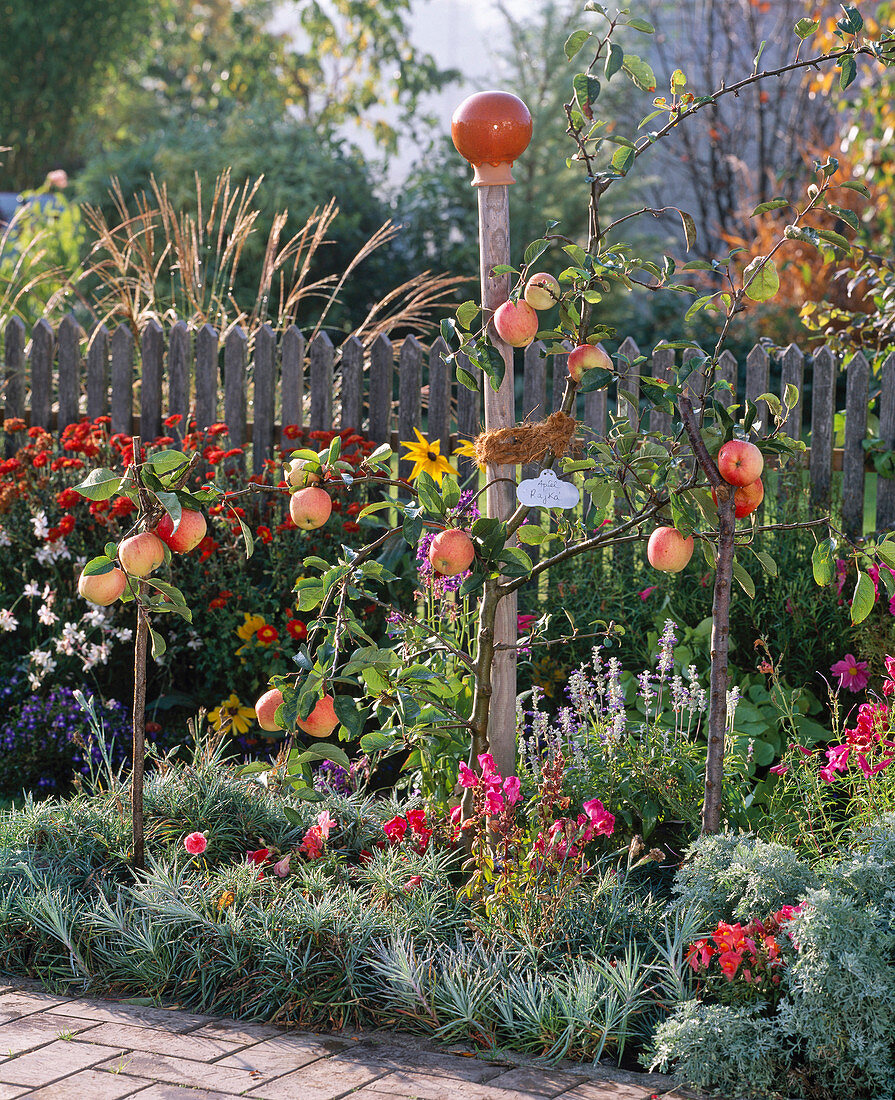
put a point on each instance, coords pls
(668, 550)
(587, 357)
(740, 462)
(298, 476)
(141, 554)
(542, 291)
(310, 508)
(746, 499)
(102, 588)
(322, 720)
(451, 551)
(266, 709)
(189, 532)
(516, 323)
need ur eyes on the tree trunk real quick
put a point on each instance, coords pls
(717, 726)
(139, 735)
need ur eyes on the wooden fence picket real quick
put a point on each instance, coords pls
(351, 360)
(382, 380)
(235, 349)
(409, 386)
(98, 372)
(857, 389)
(823, 410)
(206, 377)
(663, 371)
(43, 344)
(68, 357)
(438, 410)
(121, 405)
(265, 388)
(758, 367)
(885, 489)
(292, 379)
(14, 372)
(322, 358)
(178, 378)
(469, 414)
(152, 349)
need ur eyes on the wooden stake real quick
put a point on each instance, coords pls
(500, 412)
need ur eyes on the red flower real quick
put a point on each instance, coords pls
(350, 527)
(35, 432)
(297, 630)
(216, 429)
(123, 506)
(265, 534)
(258, 856)
(207, 547)
(172, 421)
(267, 635)
(68, 497)
(40, 459)
(67, 524)
(14, 424)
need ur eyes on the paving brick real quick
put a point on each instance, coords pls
(607, 1090)
(171, 1019)
(323, 1080)
(10, 1092)
(527, 1081)
(274, 1057)
(422, 1087)
(182, 1071)
(438, 1064)
(175, 1092)
(27, 1032)
(21, 1004)
(53, 1062)
(238, 1031)
(92, 1084)
(160, 1042)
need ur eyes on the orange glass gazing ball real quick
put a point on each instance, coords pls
(490, 130)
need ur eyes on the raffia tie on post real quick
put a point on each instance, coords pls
(525, 443)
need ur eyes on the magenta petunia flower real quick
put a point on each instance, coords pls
(854, 675)
(195, 844)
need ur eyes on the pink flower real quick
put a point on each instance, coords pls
(59, 178)
(804, 751)
(854, 675)
(312, 845)
(647, 592)
(524, 623)
(395, 829)
(486, 763)
(779, 769)
(468, 778)
(282, 868)
(456, 814)
(512, 789)
(326, 823)
(601, 819)
(195, 844)
(412, 883)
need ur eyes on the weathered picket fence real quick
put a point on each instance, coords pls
(53, 378)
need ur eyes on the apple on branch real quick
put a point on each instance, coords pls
(266, 709)
(746, 498)
(587, 357)
(451, 552)
(740, 462)
(187, 535)
(542, 291)
(516, 323)
(102, 588)
(141, 554)
(310, 508)
(322, 720)
(668, 550)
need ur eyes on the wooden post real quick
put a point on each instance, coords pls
(491, 129)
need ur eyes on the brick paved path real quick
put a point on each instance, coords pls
(58, 1048)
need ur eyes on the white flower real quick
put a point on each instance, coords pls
(46, 616)
(8, 621)
(40, 525)
(49, 594)
(31, 589)
(51, 552)
(42, 659)
(4, 538)
(95, 617)
(124, 635)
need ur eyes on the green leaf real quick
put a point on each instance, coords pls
(448, 329)
(466, 379)
(381, 455)
(97, 566)
(595, 380)
(166, 462)
(771, 204)
(761, 279)
(806, 27)
(744, 580)
(642, 26)
(886, 551)
(835, 239)
(852, 21)
(848, 216)
(856, 185)
(773, 403)
(614, 60)
(531, 535)
(429, 494)
(99, 484)
(467, 313)
(640, 72)
(586, 89)
(350, 715)
(377, 742)
(823, 562)
(171, 503)
(622, 159)
(158, 644)
(575, 42)
(247, 539)
(689, 229)
(514, 562)
(535, 249)
(863, 599)
(849, 70)
(767, 563)
(475, 582)
(376, 506)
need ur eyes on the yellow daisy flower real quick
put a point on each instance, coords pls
(251, 626)
(232, 716)
(427, 457)
(466, 449)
